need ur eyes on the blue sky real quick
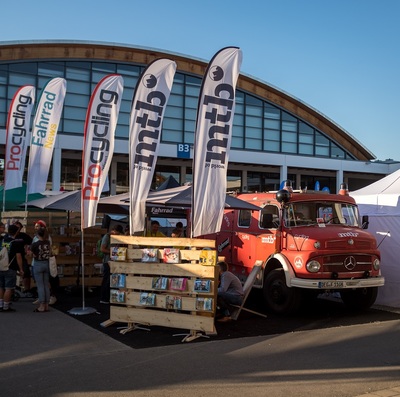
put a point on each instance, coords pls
(340, 56)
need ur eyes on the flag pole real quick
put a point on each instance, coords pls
(79, 311)
(96, 157)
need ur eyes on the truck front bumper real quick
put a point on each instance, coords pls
(337, 284)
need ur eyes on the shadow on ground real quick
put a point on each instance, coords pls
(321, 313)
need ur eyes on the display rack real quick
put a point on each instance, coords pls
(177, 295)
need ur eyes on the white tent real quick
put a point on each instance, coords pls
(381, 202)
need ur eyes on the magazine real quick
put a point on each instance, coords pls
(118, 254)
(171, 255)
(149, 255)
(177, 303)
(117, 280)
(205, 304)
(202, 285)
(160, 283)
(169, 302)
(117, 296)
(147, 299)
(178, 283)
(173, 302)
(208, 257)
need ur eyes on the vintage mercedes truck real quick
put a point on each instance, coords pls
(311, 243)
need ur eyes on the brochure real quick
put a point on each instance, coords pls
(147, 299)
(202, 285)
(118, 253)
(117, 280)
(171, 255)
(149, 255)
(178, 283)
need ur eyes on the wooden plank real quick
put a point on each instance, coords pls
(162, 241)
(135, 254)
(146, 283)
(164, 269)
(161, 318)
(189, 303)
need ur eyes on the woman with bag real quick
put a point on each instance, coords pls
(41, 249)
(54, 280)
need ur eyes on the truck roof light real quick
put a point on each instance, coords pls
(343, 189)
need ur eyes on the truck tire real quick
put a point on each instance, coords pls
(359, 298)
(278, 297)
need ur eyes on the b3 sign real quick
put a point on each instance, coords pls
(183, 150)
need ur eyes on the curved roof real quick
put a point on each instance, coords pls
(84, 50)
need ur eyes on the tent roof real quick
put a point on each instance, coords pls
(14, 197)
(382, 196)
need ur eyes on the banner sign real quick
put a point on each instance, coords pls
(44, 133)
(98, 143)
(213, 140)
(148, 107)
(17, 136)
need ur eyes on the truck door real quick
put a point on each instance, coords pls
(243, 243)
(268, 241)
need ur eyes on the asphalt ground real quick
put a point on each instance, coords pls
(323, 351)
(320, 313)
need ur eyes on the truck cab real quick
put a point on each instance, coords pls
(309, 242)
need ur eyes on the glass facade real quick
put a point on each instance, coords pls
(258, 125)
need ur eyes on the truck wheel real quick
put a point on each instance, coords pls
(278, 296)
(359, 298)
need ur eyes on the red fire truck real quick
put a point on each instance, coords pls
(310, 242)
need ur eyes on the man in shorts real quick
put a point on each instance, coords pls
(8, 278)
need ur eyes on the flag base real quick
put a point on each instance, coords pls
(80, 311)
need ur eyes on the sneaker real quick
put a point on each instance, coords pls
(104, 302)
(10, 309)
(35, 302)
(53, 300)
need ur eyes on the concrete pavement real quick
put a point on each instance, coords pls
(54, 354)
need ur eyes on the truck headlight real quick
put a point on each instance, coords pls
(317, 245)
(376, 265)
(313, 266)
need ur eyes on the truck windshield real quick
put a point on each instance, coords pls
(320, 212)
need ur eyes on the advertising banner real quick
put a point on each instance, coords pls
(18, 136)
(44, 133)
(148, 107)
(213, 140)
(98, 143)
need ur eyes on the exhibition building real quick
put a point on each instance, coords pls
(275, 136)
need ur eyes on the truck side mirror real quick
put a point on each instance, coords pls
(365, 222)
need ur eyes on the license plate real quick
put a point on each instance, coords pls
(331, 284)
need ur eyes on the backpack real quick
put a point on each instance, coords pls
(98, 249)
(4, 263)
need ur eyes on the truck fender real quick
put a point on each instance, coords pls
(284, 263)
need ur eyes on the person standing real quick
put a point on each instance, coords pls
(8, 278)
(105, 249)
(41, 249)
(54, 281)
(230, 291)
(27, 239)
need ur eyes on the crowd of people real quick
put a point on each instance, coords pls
(28, 259)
